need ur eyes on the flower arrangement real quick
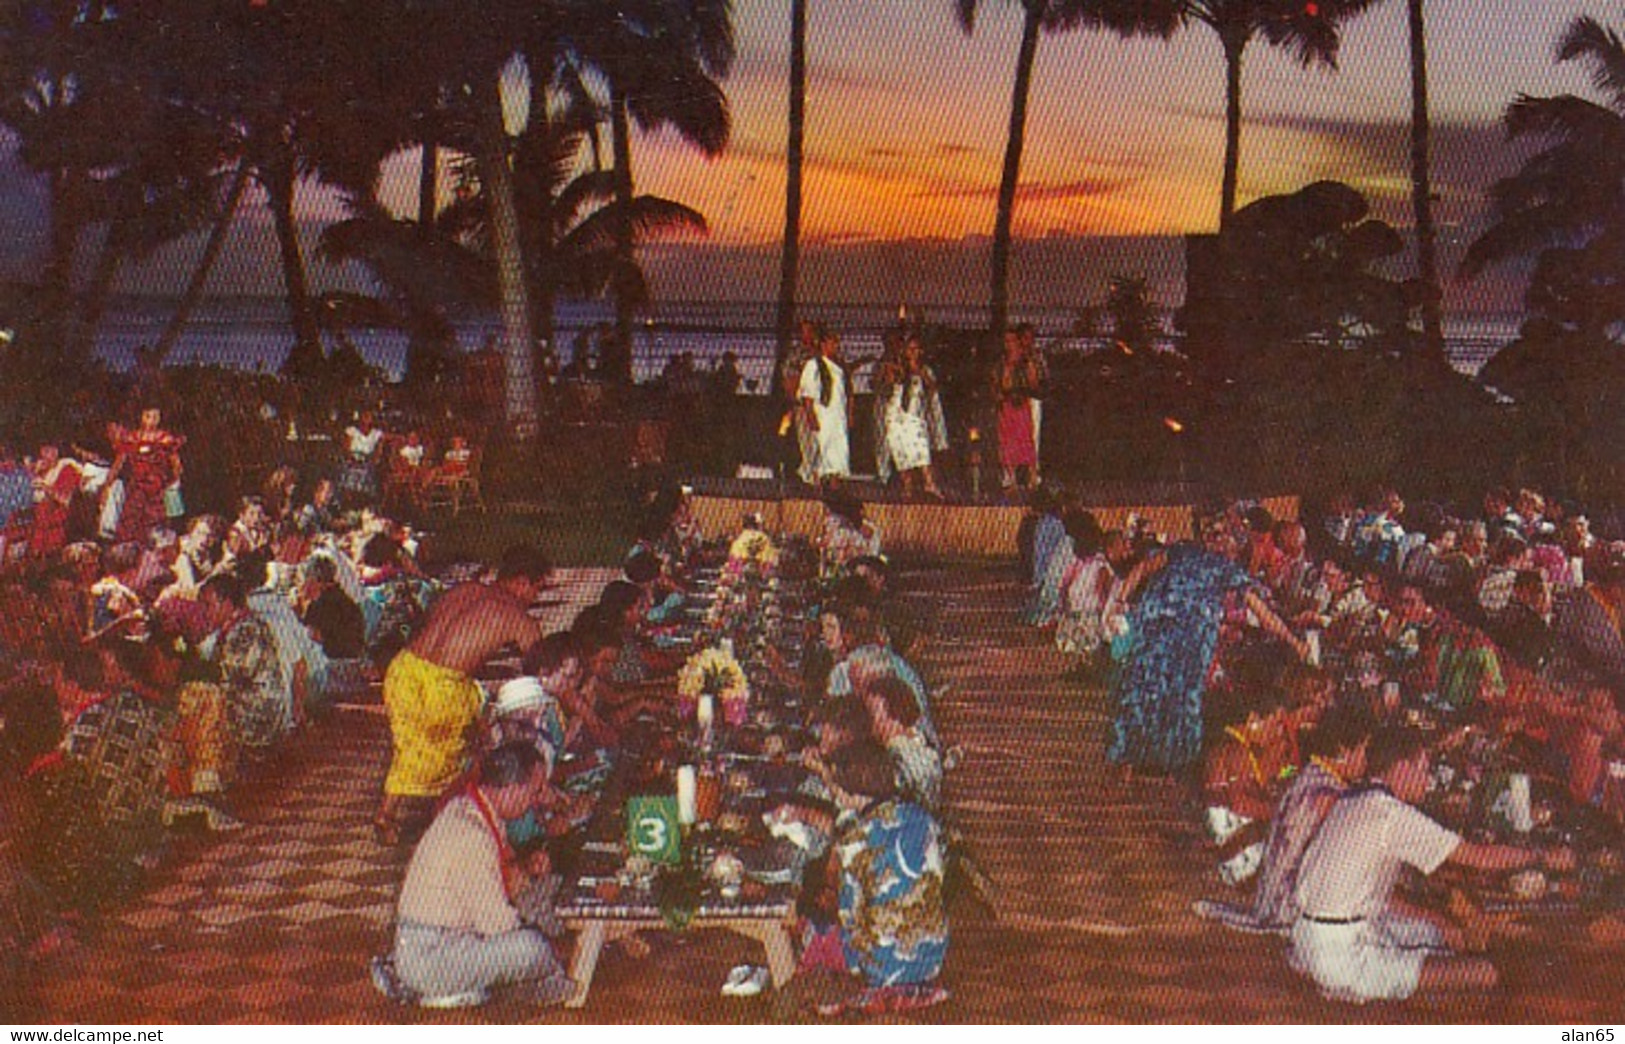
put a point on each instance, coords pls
(713, 672)
(754, 546)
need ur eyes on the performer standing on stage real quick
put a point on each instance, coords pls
(826, 405)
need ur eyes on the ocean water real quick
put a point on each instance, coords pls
(253, 334)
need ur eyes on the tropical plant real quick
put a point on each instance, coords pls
(1308, 267)
(1565, 206)
(1308, 29)
(116, 150)
(422, 275)
(1123, 17)
(662, 60)
(569, 217)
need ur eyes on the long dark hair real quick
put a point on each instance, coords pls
(826, 379)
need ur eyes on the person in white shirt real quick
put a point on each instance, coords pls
(1350, 936)
(458, 933)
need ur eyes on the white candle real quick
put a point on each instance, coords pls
(1577, 571)
(1519, 812)
(705, 713)
(1312, 640)
(685, 795)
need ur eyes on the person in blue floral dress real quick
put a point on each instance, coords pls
(1173, 635)
(893, 920)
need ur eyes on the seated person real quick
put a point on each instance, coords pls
(624, 603)
(591, 737)
(321, 514)
(407, 469)
(846, 534)
(1350, 936)
(458, 933)
(894, 718)
(1508, 556)
(1244, 771)
(644, 568)
(1524, 628)
(555, 665)
(1088, 616)
(304, 662)
(251, 531)
(458, 459)
(894, 926)
(525, 712)
(116, 607)
(864, 655)
(334, 621)
(101, 799)
(1457, 664)
(899, 624)
(198, 766)
(246, 661)
(1336, 749)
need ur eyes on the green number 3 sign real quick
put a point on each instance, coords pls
(652, 829)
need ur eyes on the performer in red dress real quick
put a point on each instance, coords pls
(149, 462)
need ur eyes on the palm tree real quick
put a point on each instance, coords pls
(56, 95)
(1566, 204)
(1427, 237)
(569, 217)
(662, 60)
(422, 275)
(1123, 17)
(198, 281)
(790, 259)
(117, 150)
(168, 187)
(1309, 30)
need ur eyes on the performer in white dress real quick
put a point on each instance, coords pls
(914, 426)
(825, 394)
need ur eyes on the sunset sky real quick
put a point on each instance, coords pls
(906, 119)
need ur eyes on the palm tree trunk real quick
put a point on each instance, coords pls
(514, 340)
(57, 278)
(1427, 247)
(89, 316)
(1004, 219)
(428, 179)
(277, 176)
(1235, 44)
(619, 366)
(790, 259)
(205, 265)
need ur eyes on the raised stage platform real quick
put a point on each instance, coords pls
(955, 528)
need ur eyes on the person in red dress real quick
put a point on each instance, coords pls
(149, 462)
(56, 483)
(1018, 384)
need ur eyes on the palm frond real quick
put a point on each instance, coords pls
(1602, 49)
(593, 186)
(650, 217)
(679, 94)
(1158, 18)
(1566, 116)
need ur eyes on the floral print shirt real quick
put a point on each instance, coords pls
(894, 923)
(258, 698)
